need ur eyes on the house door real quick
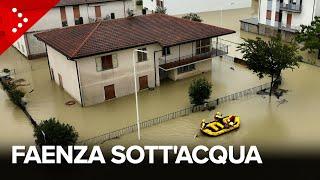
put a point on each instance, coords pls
(60, 81)
(289, 20)
(143, 82)
(109, 92)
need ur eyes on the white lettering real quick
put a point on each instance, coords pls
(32, 155)
(195, 154)
(184, 155)
(151, 150)
(16, 154)
(120, 154)
(222, 159)
(253, 155)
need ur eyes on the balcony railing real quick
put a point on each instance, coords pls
(174, 63)
(291, 7)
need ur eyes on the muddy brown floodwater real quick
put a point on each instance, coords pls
(268, 124)
(280, 128)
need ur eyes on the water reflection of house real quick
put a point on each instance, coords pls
(94, 62)
(284, 16)
(71, 13)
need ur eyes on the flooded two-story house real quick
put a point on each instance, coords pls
(94, 62)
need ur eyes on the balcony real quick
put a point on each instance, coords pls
(291, 7)
(174, 63)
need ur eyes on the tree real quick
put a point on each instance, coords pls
(199, 91)
(161, 10)
(269, 58)
(193, 17)
(15, 94)
(310, 36)
(52, 132)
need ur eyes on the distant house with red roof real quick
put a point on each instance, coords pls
(94, 62)
(70, 13)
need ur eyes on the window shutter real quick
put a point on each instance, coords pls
(115, 60)
(76, 12)
(139, 56)
(97, 10)
(98, 64)
(145, 57)
(63, 14)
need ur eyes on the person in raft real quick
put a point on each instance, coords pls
(218, 117)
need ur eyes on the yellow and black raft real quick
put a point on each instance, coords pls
(217, 128)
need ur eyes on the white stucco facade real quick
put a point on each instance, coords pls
(67, 70)
(92, 80)
(20, 45)
(178, 7)
(309, 9)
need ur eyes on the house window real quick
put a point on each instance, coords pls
(76, 14)
(269, 14)
(166, 51)
(142, 56)
(160, 3)
(277, 17)
(106, 62)
(63, 16)
(113, 16)
(203, 46)
(97, 10)
(185, 69)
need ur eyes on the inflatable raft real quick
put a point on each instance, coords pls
(217, 128)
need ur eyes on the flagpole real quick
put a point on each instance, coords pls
(136, 93)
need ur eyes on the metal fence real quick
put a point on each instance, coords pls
(183, 112)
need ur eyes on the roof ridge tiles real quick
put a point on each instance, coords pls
(86, 39)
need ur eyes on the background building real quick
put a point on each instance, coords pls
(177, 7)
(71, 13)
(284, 16)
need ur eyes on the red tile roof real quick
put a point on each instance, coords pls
(112, 35)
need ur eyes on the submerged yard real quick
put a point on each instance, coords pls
(46, 99)
(290, 126)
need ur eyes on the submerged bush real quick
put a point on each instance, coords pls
(16, 96)
(14, 93)
(52, 132)
(199, 91)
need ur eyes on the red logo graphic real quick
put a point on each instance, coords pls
(18, 16)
